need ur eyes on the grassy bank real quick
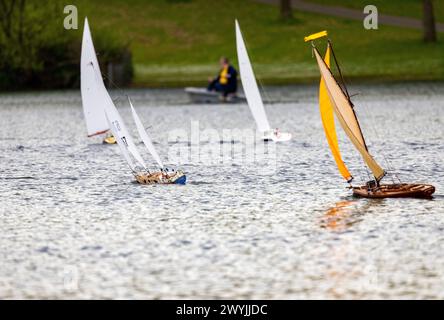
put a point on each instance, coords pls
(178, 42)
(406, 8)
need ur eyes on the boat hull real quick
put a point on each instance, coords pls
(202, 95)
(161, 178)
(280, 137)
(402, 190)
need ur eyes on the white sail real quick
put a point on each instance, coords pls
(90, 81)
(249, 84)
(120, 132)
(145, 138)
(122, 146)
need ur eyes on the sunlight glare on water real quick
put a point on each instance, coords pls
(75, 225)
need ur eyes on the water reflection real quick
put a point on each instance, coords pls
(344, 214)
(121, 238)
(340, 216)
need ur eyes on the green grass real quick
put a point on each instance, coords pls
(178, 42)
(406, 8)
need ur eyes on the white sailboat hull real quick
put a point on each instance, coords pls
(276, 136)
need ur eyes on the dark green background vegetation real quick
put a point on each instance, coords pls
(178, 42)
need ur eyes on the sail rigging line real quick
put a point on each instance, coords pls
(124, 140)
(249, 82)
(263, 91)
(346, 92)
(122, 93)
(110, 108)
(390, 167)
(339, 70)
(112, 83)
(368, 114)
(145, 139)
(366, 170)
(258, 80)
(144, 136)
(117, 99)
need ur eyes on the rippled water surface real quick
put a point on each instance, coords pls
(73, 224)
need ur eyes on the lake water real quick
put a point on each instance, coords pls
(73, 224)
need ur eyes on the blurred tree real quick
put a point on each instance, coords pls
(37, 52)
(27, 28)
(286, 12)
(429, 21)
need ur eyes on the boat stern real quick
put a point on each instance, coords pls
(181, 180)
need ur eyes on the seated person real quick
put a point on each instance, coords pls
(226, 80)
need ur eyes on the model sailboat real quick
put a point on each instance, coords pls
(102, 115)
(333, 99)
(90, 78)
(252, 93)
(131, 153)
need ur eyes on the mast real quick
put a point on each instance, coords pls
(330, 45)
(345, 90)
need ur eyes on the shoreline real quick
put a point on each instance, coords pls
(291, 82)
(312, 82)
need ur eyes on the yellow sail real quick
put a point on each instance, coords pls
(328, 121)
(346, 116)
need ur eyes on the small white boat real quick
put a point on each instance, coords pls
(202, 95)
(253, 95)
(90, 79)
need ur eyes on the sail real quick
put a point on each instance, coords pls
(145, 138)
(90, 79)
(249, 84)
(121, 144)
(328, 122)
(98, 106)
(120, 132)
(346, 116)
